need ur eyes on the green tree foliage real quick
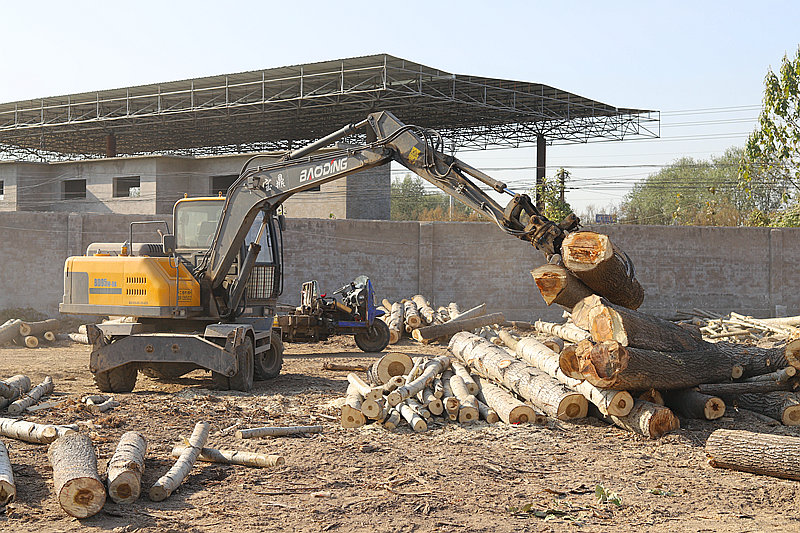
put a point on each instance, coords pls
(772, 153)
(556, 208)
(410, 201)
(700, 192)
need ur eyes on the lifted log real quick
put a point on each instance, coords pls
(759, 453)
(558, 286)
(80, 490)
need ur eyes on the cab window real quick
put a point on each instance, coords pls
(196, 223)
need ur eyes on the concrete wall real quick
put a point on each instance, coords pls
(750, 270)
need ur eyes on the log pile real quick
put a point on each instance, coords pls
(29, 334)
(737, 327)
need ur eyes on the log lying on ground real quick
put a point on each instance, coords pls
(344, 368)
(488, 414)
(648, 419)
(411, 315)
(759, 453)
(9, 331)
(8, 490)
(454, 326)
(103, 406)
(352, 417)
(167, 483)
(535, 353)
(509, 409)
(783, 406)
(432, 369)
(390, 365)
(690, 403)
(491, 361)
(608, 365)
(416, 422)
(609, 322)
(125, 468)
(392, 419)
(30, 341)
(30, 431)
(80, 490)
(395, 323)
(13, 387)
(568, 332)
(593, 259)
(745, 387)
(38, 328)
(363, 389)
(233, 457)
(462, 372)
(425, 310)
(557, 285)
(468, 410)
(81, 338)
(37, 393)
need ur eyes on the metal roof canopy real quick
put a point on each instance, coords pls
(281, 108)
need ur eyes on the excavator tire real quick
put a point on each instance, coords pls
(120, 379)
(375, 338)
(268, 363)
(243, 379)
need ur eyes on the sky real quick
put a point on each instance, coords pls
(701, 64)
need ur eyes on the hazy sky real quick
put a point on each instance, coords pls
(702, 64)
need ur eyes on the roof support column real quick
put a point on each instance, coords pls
(541, 148)
(111, 145)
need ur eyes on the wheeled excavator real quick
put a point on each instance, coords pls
(205, 297)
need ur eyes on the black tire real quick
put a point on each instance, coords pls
(267, 364)
(375, 338)
(120, 379)
(167, 371)
(243, 379)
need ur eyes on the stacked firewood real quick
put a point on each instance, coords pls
(740, 328)
(28, 334)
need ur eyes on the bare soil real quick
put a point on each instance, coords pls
(452, 478)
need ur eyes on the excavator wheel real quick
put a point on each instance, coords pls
(120, 379)
(268, 363)
(375, 338)
(243, 379)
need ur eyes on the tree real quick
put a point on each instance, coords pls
(410, 201)
(551, 191)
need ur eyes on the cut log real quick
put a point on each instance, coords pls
(430, 401)
(534, 353)
(461, 371)
(30, 431)
(487, 413)
(568, 331)
(444, 315)
(451, 404)
(593, 259)
(80, 491)
(276, 431)
(432, 369)
(352, 417)
(558, 286)
(37, 393)
(233, 457)
(38, 328)
(608, 365)
(344, 368)
(759, 453)
(396, 323)
(81, 338)
(387, 304)
(438, 388)
(782, 406)
(554, 343)
(468, 410)
(9, 331)
(49, 336)
(104, 406)
(551, 397)
(509, 409)
(690, 403)
(14, 387)
(425, 310)
(30, 341)
(648, 419)
(365, 390)
(744, 387)
(452, 310)
(418, 408)
(778, 376)
(416, 422)
(167, 483)
(411, 315)
(125, 468)
(478, 310)
(392, 419)
(8, 490)
(508, 339)
(652, 396)
(454, 326)
(568, 360)
(390, 365)
(393, 383)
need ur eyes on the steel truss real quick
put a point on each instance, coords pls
(280, 108)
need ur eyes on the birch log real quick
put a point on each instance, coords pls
(390, 365)
(690, 403)
(363, 389)
(558, 286)
(449, 400)
(13, 387)
(487, 413)
(125, 468)
(352, 417)
(468, 410)
(416, 422)
(411, 315)
(759, 453)
(593, 259)
(31, 431)
(508, 339)
(509, 409)
(432, 369)
(430, 401)
(425, 310)
(461, 371)
(80, 491)
(392, 419)
(9, 331)
(568, 331)
(233, 457)
(8, 490)
(454, 326)
(35, 394)
(167, 483)
(648, 419)
(276, 431)
(396, 323)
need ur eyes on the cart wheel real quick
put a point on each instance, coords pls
(267, 364)
(120, 379)
(243, 379)
(374, 338)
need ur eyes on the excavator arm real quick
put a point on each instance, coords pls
(264, 187)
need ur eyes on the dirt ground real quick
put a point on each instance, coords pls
(450, 479)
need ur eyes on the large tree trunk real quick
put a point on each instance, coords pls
(37, 393)
(167, 483)
(454, 326)
(125, 468)
(509, 409)
(602, 267)
(537, 354)
(390, 365)
(38, 328)
(396, 323)
(690, 403)
(80, 491)
(608, 365)
(648, 419)
(491, 361)
(782, 406)
(233, 457)
(8, 490)
(558, 286)
(759, 453)
(568, 332)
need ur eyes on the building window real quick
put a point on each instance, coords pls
(127, 187)
(73, 189)
(2, 190)
(220, 184)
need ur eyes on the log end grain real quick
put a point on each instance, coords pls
(468, 415)
(7, 492)
(662, 422)
(31, 341)
(792, 353)
(791, 416)
(158, 493)
(82, 497)
(582, 250)
(573, 406)
(568, 360)
(522, 414)
(351, 418)
(621, 404)
(714, 408)
(125, 488)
